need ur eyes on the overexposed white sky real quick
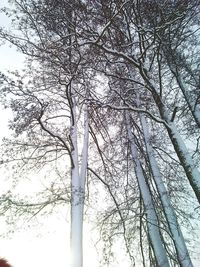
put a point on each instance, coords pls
(45, 245)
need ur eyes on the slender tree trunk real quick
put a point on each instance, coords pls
(192, 106)
(76, 201)
(177, 236)
(182, 152)
(78, 191)
(84, 162)
(185, 158)
(152, 221)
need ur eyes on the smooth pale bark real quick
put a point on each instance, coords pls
(176, 233)
(78, 191)
(76, 202)
(192, 106)
(152, 221)
(84, 162)
(182, 152)
(184, 156)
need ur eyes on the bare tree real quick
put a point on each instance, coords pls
(139, 48)
(69, 47)
(152, 221)
(51, 108)
(177, 236)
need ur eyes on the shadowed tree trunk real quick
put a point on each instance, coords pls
(152, 221)
(177, 236)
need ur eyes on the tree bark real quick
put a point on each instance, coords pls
(177, 236)
(152, 221)
(192, 106)
(78, 191)
(180, 148)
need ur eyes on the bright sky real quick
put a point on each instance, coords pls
(45, 245)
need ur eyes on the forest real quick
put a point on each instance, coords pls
(107, 112)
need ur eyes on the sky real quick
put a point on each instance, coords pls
(48, 243)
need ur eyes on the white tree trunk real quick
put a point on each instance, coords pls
(84, 162)
(177, 236)
(182, 152)
(192, 106)
(185, 158)
(152, 221)
(78, 191)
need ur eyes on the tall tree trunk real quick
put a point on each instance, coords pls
(152, 221)
(185, 158)
(78, 190)
(84, 162)
(193, 107)
(76, 200)
(182, 152)
(177, 236)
